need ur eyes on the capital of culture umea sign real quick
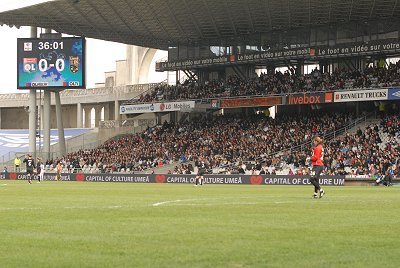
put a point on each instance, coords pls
(174, 178)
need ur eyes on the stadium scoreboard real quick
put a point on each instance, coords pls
(57, 63)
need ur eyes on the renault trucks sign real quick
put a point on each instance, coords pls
(361, 95)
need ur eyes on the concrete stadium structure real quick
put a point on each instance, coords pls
(129, 80)
(213, 39)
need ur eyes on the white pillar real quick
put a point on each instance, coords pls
(116, 110)
(46, 119)
(32, 122)
(138, 60)
(97, 116)
(0, 118)
(46, 123)
(32, 111)
(61, 137)
(107, 111)
(79, 118)
(41, 111)
(87, 117)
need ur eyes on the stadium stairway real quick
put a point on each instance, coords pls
(364, 125)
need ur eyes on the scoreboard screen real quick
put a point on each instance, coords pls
(51, 63)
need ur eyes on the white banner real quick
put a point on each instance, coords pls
(156, 107)
(361, 95)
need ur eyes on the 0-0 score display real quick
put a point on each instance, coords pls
(51, 63)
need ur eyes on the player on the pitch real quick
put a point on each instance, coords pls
(200, 173)
(317, 167)
(39, 170)
(30, 165)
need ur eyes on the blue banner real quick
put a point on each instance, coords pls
(394, 93)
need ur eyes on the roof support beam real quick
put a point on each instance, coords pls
(114, 30)
(74, 6)
(372, 9)
(121, 17)
(175, 20)
(195, 22)
(212, 18)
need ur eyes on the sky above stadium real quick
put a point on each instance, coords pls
(108, 52)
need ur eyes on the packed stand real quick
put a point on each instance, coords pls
(218, 141)
(246, 146)
(278, 83)
(374, 151)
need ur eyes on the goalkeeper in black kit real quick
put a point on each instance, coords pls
(30, 166)
(202, 168)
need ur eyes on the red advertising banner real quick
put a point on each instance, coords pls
(251, 102)
(306, 98)
(329, 97)
(309, 98)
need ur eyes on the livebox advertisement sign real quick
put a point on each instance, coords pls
(309, 98)
(190, 179)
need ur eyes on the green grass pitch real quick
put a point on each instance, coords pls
(70, 224)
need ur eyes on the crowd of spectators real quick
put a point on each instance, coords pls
(229, 144)
(218, 141)
(279, 83)
(372, 151)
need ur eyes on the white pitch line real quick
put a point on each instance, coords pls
(107, 207)
(181, 200)
(114, 207)
(186, 202)
(284, 202)
(20, 209)
(167, 202)
(174, 202)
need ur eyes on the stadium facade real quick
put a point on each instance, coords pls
(215, 40)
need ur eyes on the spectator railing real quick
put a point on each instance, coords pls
(219, 97)
(326, 137)
(139, 88)
(109, 124)
(7, 160)
(150, 88)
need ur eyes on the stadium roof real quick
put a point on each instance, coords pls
(164, 23)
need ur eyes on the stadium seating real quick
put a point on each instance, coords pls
(370, 152)
(230, 144)
(257, 144)
(219, 141)
(278, 83)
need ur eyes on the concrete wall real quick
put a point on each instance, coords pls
(14, 118)
(17, 118)
(138, 64)
(122, 73)
(69, 116)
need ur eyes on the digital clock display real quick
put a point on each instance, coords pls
(51, 63)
